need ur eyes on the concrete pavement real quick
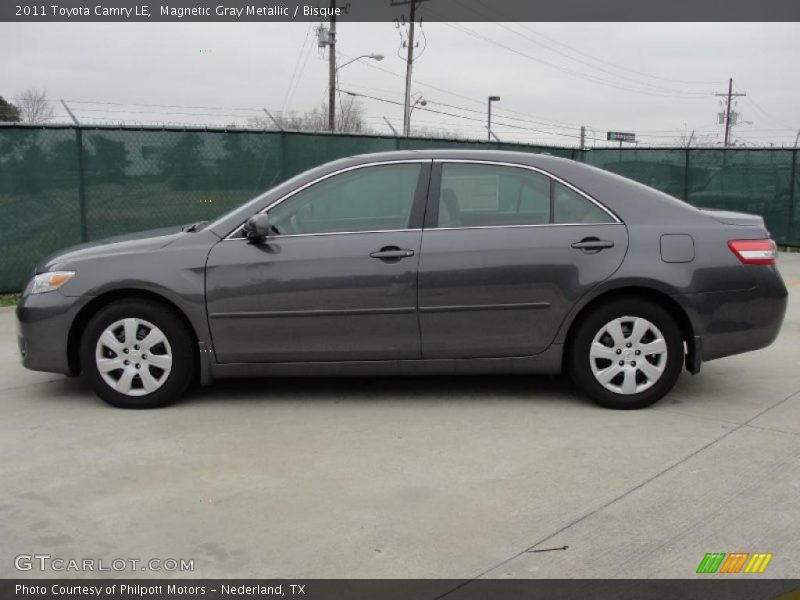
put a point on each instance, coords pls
(422, 477)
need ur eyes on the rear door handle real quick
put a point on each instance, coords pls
(391, 253)
(592, 245)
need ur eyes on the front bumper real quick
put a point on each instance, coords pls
(736, 321)
(43, 326)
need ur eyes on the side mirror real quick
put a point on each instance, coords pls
(257, 227)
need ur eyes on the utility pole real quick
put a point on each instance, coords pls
(412, 15)
(409, 66)
(797, 138)
(332, 69)
(583, 137)
(729, 96)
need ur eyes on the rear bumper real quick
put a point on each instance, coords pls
(732, 322)
(43, 325)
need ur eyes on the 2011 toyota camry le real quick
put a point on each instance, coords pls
(415, 262)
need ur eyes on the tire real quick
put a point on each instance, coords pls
(601, 343)
(147, 380)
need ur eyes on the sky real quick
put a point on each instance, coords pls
(656, 80)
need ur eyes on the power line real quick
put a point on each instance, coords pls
(635, 80)
(766, 114)
(461, 96)
(294, 82)
(150, 112)
(155, 105)
(789, 132)
(449, 114)
(579, 52)
(672, 132)
(504, 113)
(480, 112)
(574, 73)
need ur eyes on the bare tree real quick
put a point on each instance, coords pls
(438, 133)
(349, 119)
(34, 106)
(697, 140)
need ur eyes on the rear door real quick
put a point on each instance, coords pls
(506, 252)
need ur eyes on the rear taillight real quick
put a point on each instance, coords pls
(754, 252)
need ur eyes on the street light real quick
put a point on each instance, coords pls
(333, 81)
(419, 101)
(378, 57)
(489, 120)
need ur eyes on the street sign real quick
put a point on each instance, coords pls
(619, 136)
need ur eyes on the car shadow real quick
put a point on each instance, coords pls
(420, 389)
(423, 389)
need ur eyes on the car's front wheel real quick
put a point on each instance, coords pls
(137, 354)
(626, 354)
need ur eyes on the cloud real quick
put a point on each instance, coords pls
(656, 79)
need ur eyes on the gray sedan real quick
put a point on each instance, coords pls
(415, 262)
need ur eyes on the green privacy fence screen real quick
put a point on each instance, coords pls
(62, 185)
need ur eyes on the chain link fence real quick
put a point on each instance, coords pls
(63, 185)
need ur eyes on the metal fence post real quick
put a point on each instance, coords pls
(81, 183)
(81, 174)
(282, 163)
(793, 229)
(686, 176)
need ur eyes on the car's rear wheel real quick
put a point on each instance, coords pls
(137, 354)
(626, 354)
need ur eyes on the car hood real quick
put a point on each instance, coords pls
(121, 244)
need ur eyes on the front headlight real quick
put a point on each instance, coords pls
(47, 282)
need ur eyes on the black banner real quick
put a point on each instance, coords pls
(713, 588)
(390, 10)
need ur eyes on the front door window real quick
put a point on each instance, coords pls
(377, 198)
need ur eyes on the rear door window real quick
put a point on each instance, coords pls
(479, 195)
(571, 207)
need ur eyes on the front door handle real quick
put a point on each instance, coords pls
(592, 245)
(391, 253)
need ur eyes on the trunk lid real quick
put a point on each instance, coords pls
(734, 218)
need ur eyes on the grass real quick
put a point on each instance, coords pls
(9, 299)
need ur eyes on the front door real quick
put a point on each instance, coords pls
(506, 252)
(336, 279)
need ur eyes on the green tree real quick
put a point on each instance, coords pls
(109, 160)
(239, 166)
(8, 112)
(182, 163)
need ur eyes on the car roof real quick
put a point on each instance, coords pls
(529, 158)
